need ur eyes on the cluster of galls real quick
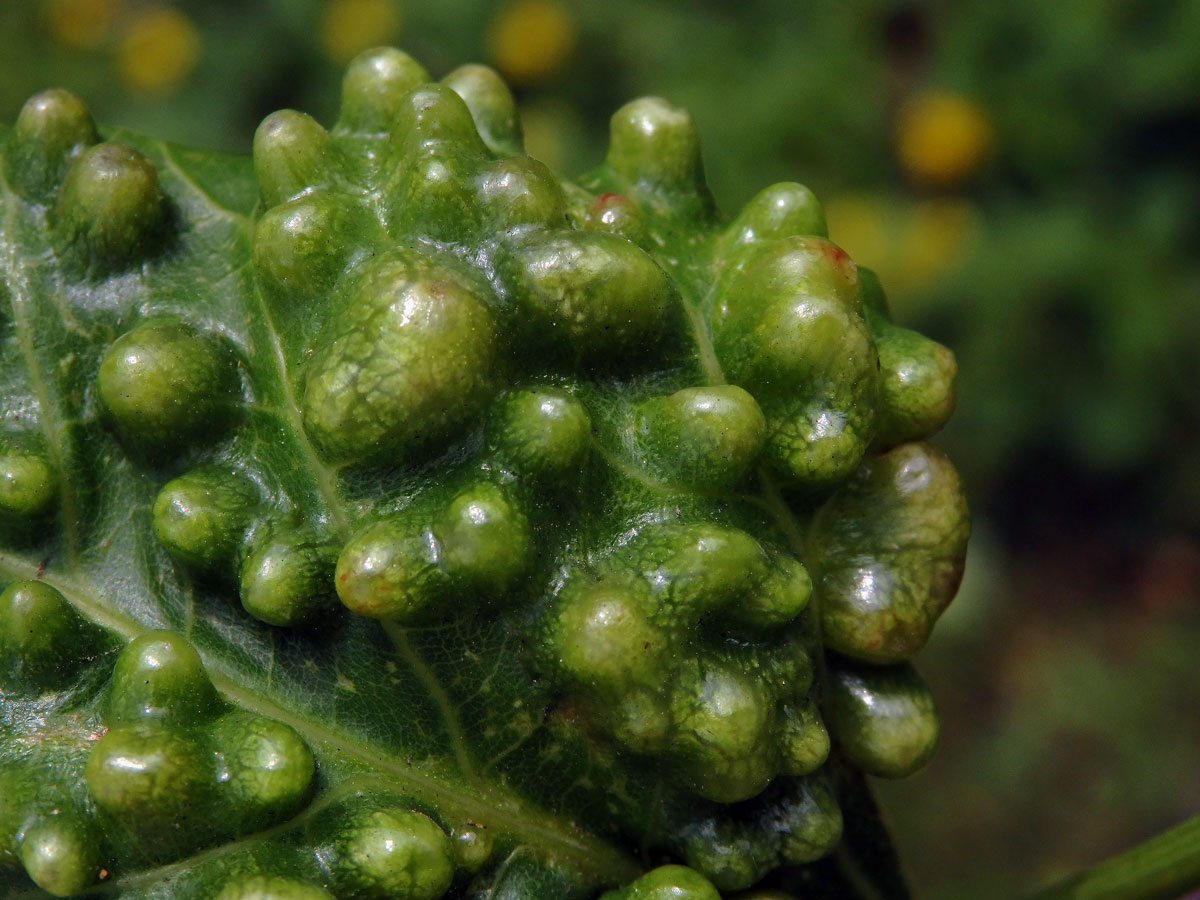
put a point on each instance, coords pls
(701, 456)
(155, 765)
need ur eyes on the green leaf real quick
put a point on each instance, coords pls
(379, 521)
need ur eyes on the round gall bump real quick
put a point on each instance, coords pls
(267, 768)
(394, 854)
(159, 676)
(604, 641)
(616, 214)
(473, 847)
(492, 107)
(667, 883)
(52, 128)
(163, 383)
(286, 580)
(28, 486)
(434, 114)
(542, 431)
(653, 144)
(520, 191)
(707, 437)
(485, 538)
(779, 211)
(149, 777)
(61, 856)
(389, 570)
(109, 209)
(40, 636)
(917, 381)
(779, 598)
(883, 717)
(272, 887)
(374, 88)
(411, 362)
(292, 155)
(201, 517)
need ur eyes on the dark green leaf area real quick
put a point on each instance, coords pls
(888, 551)
(883, 717)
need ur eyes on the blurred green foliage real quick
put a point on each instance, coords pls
(1024, 176)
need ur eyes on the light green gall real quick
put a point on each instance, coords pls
(917, 386)
(150, 778)
(393, 854)
(433, 118)
(723, 737)
(473, 847)
(542, 432)
(201, 517)
(705, 437)
(789, 327)
(293, 154)
(409, 363)
(594, 295)
(603, 639)
(486, 541)
(779, 211)
(883, 717)
(667, 883)
(42, 639)
(285, 580)
(374, 88)
(520, 192)
(616, 214)
(160, 677)
(60, 855)
(266, 769)
(781, 595)
(110, 210)
(655, 149)
(28, 485)
(492, 107)
(888, 551)
(294, 257)
(272, 887)
(389, 570)
(805, 740)
(164, 383)
(52, 129)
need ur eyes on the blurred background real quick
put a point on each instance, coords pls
(1024, 176)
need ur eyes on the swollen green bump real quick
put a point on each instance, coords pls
(486, 540)
(28, 485)
(667, 883)
(473, 847)
(164, 383)
(271, 887)
(159, 677)
(883, 717)
(723, 739)
(917, 386)
(61, 855)
(594, 294)
(374, 88)
(779, 598)
(543, 432)
(293, 154)
(266, 769)
(389, 570)
(109, 210)
(520, 192)
(603, 639)
(42, 639)
(704, 437)
(805, 740)
(410, 361)
(298, 253)
(655, 148)
(285, 580)
(779, 211)
(151, 778)
(52, 129)
(201, 517)
(393, 854)
(616, 214)
(492, 107)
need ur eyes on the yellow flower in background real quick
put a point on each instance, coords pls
(350, 26)
(80, 24)
(910, 245)
(942, 139)
(159, 49)
(529, 40)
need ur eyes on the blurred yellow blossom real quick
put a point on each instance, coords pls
(530, 40)
(941, 138)
(159, 48)
(80, 24)
(350, 26)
